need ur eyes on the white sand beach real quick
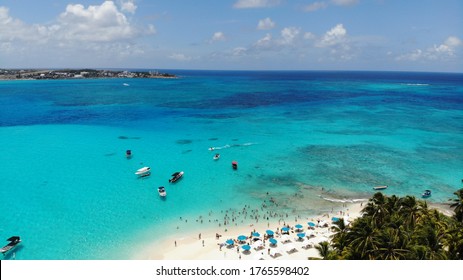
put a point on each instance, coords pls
(211, 244)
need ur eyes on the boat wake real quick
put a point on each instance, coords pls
(231, 146)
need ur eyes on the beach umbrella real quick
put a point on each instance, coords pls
(246, 247)
(269, 232)
(230, 242)
(242, 237)
(298, 226)
(285, 229)
(301, 235)
(311, 224)
(255, 234)
(334, 219)
(273, 241)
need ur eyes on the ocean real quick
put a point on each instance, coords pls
(304, 140)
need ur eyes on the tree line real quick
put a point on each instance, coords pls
(398, 228)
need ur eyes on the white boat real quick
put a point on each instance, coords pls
(14, 241)
(378, 188)
(162, 191)
(216, 157)
(176, 176)
(125, 84)
(144, 171)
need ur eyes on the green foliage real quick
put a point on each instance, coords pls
(394, 228)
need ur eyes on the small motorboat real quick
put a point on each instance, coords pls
(216, 157)
(125, 84)
(176, 176)
(162, 191)
(426, 194)
(143, 172)
(14, 241)
(128, 154)
(378, 188)
(234, 165)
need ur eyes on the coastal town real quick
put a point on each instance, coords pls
(41, 74)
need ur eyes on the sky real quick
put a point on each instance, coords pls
(390, 35)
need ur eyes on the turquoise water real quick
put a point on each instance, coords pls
(305, 138)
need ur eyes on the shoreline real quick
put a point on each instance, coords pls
(210, 242)
(203, 243)
(72, 74)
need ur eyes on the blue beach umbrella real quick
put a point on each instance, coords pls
(285, 229)
(230, 242)
(255, 234)
(311, 224)
(273, 241)
(335, 219)
(301, 235)
(242, 237)
(269, 232)
(298, 226)
(246, 247)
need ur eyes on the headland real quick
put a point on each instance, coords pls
(46, 74)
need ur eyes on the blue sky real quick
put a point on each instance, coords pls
(410, 35)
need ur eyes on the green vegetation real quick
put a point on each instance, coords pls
(394, 228)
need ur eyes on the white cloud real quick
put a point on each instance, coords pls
(309, 36)
(129, 6)
(239, 51)
(102, 23)
(218, 36)
(315, 6)
(453, 42)
(245, 4)
(337, 43)
(289, 34)
(180, 57)
(103, 32)
(265, 42)
(444, 51)
(335, 36)
(265, 24)
(344, 2)
(12, 30)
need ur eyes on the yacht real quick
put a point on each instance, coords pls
(176, 176)
(143, 172)
(14, 241)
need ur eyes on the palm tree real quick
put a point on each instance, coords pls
(324, 249)
(458, 204)
(393, 245)
(454, 242)
(412, 210)
(432, 233)
(376, 208)
(363, 239)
